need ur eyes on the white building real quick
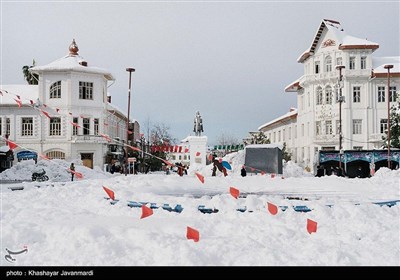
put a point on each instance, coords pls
(67, 115)
(315, 124)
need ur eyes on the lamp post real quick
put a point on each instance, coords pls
(340, 100)
(388, 67)
(130, 70)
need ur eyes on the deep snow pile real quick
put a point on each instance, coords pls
(70, 223)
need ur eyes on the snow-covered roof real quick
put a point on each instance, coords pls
(292, 113)
(378, 64)
(293, 86)
(71, 63)
(344, 41)
(26, 92)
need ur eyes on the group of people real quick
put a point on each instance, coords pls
(322, 171)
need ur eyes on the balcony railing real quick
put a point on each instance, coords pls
(88, 139)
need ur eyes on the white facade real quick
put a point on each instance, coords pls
(364, 87)
(70, 92)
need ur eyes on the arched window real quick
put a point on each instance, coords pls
(55, 90)
(328, 64)
(55, 155)
(319, 96)
(328, 95)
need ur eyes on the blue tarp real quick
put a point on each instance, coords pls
(26, 155)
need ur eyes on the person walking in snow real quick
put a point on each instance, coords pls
(72, 170)
(243, 171)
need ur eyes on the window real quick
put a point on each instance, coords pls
(308, 129)
(357, 125)
(381, 94)
(86, 126)
(328, 64)
(85, 90)
(301, 103)
(319, 96)
(283, 134)
(302, 129)
(279, 136)
(352, 63)
(339, 61)
(308, 99)
(96, 126)
(55, 155)
(55, 126)
(337, 127)
(363, 62)
(55, 90)
(328, 127)
(75, 128)
(8, 126)
(295, 131)
(384, 125)
(1, 126)
(328, 95)
(290, 133)
(318, 127)
(358, 148)
(274, 137)
(392, 94)
(316, 67)
(356, 94)
(26, 126)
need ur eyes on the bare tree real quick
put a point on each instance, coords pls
(226, 139)
(160, 133)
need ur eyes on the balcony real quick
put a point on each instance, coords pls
(88, 139)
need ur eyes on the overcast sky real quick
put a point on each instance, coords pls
(229, 60)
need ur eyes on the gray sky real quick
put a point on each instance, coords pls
(229, 60)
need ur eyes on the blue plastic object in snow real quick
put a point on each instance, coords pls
(226, 165)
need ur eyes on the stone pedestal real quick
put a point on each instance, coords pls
(198, 150)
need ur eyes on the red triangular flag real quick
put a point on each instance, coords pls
(130, 132)
(262, 173)
(19, 97)
(146, 211)
(272, 208)
(134, 148)
(45, 113)
(106, 137)
(11, 144)
(44, 157)
(31, 101)
(75, 124)
(197, 154)
(234, 192)
(273, 175)
(180, 149)
(18, 102)
(186, 150)
(311, 226)
(109, 192)
(201, 177)
(192, 233)
(57, 109)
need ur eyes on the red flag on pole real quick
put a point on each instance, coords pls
(201, 177)
(272, 208)
(146, 211)
(192, 233)
(11, 144)
(311, 226)
(234, 192)
(109, 192)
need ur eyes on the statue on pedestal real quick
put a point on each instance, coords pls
(198, 124)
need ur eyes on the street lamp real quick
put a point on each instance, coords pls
(340, 100)
(130, 70)
(388, 67)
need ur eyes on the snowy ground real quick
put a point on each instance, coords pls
(70, 223)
